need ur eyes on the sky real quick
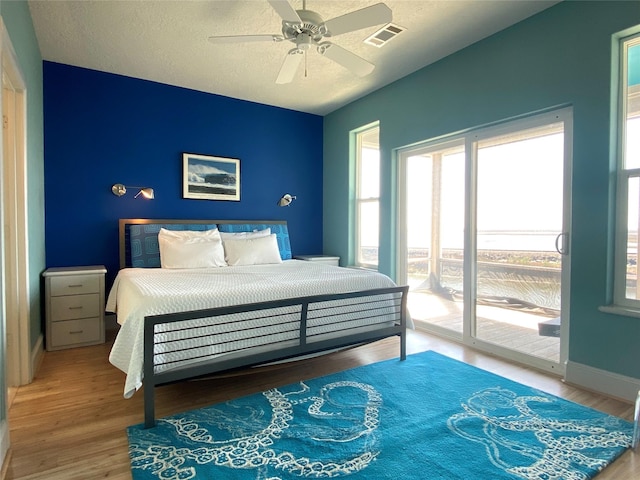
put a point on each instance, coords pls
(520, 189)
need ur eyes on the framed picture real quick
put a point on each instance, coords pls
(210, 178)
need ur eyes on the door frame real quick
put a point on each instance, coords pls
(564, 115)
(19, 323)
(469, 291)
(17, 243)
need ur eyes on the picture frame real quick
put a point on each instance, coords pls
(210, 178)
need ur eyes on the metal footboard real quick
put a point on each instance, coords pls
(184, 345)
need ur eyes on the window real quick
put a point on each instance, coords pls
(367, 197)
(627, 287)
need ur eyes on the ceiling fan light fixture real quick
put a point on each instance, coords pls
(304, 41)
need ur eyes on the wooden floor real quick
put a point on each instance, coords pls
(70, 422)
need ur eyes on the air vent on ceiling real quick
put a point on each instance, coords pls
(382, 36)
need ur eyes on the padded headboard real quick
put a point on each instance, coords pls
(139, 236)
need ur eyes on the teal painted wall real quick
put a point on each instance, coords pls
(562, 56)
(17, 20)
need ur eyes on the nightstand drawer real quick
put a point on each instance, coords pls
(73, 332)
(74, 285)
(75, 306)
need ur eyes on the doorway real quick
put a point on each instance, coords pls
(484, 237)
(14, 281)
(15, 263)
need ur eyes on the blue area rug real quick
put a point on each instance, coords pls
(429, 417)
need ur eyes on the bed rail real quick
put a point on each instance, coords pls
(312, 324)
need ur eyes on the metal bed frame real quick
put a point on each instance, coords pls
(368, 303)
(387, 307)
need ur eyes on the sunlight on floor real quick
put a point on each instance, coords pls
(512, 317)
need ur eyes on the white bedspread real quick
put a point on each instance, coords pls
(139, 292)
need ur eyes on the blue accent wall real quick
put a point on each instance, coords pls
(561, 56)
(102, 129)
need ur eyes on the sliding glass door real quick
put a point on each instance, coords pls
(484, 237)
(433, 243)
(520, 239)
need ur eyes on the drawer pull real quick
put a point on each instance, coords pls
(76, 285)
(76, 308)
(76, 331)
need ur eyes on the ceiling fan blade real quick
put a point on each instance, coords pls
(285, 10)
(348, 60)
(290, 66)
(246, 38)
(358, 19)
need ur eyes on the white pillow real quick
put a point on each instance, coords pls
(190, 249)
(252, 251)
(245, 235)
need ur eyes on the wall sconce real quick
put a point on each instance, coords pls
(286, 200)
(119, 190)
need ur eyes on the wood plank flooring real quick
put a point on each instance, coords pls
(513, 329)
(69, 424)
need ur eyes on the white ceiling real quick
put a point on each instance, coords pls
(166, 41)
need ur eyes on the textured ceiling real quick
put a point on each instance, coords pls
(166, 41)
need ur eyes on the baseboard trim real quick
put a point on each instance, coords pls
(37, 355)
(5, 453)
(602, 381)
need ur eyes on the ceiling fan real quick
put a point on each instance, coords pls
(305, 29)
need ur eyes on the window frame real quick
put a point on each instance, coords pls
(624, 177)
(359, 200)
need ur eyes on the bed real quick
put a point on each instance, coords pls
(180, 321)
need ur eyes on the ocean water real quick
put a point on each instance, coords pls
(522, 241)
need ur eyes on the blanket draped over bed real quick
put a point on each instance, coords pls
(141, 292)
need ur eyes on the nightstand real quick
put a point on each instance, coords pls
(328, 259)
(74, 299)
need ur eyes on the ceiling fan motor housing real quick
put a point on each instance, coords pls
(312, 26)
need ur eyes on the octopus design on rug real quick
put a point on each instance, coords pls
(550, 447)
(258, 435)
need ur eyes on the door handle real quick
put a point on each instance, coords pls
(560, 243)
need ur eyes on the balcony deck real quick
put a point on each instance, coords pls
(509, 328)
